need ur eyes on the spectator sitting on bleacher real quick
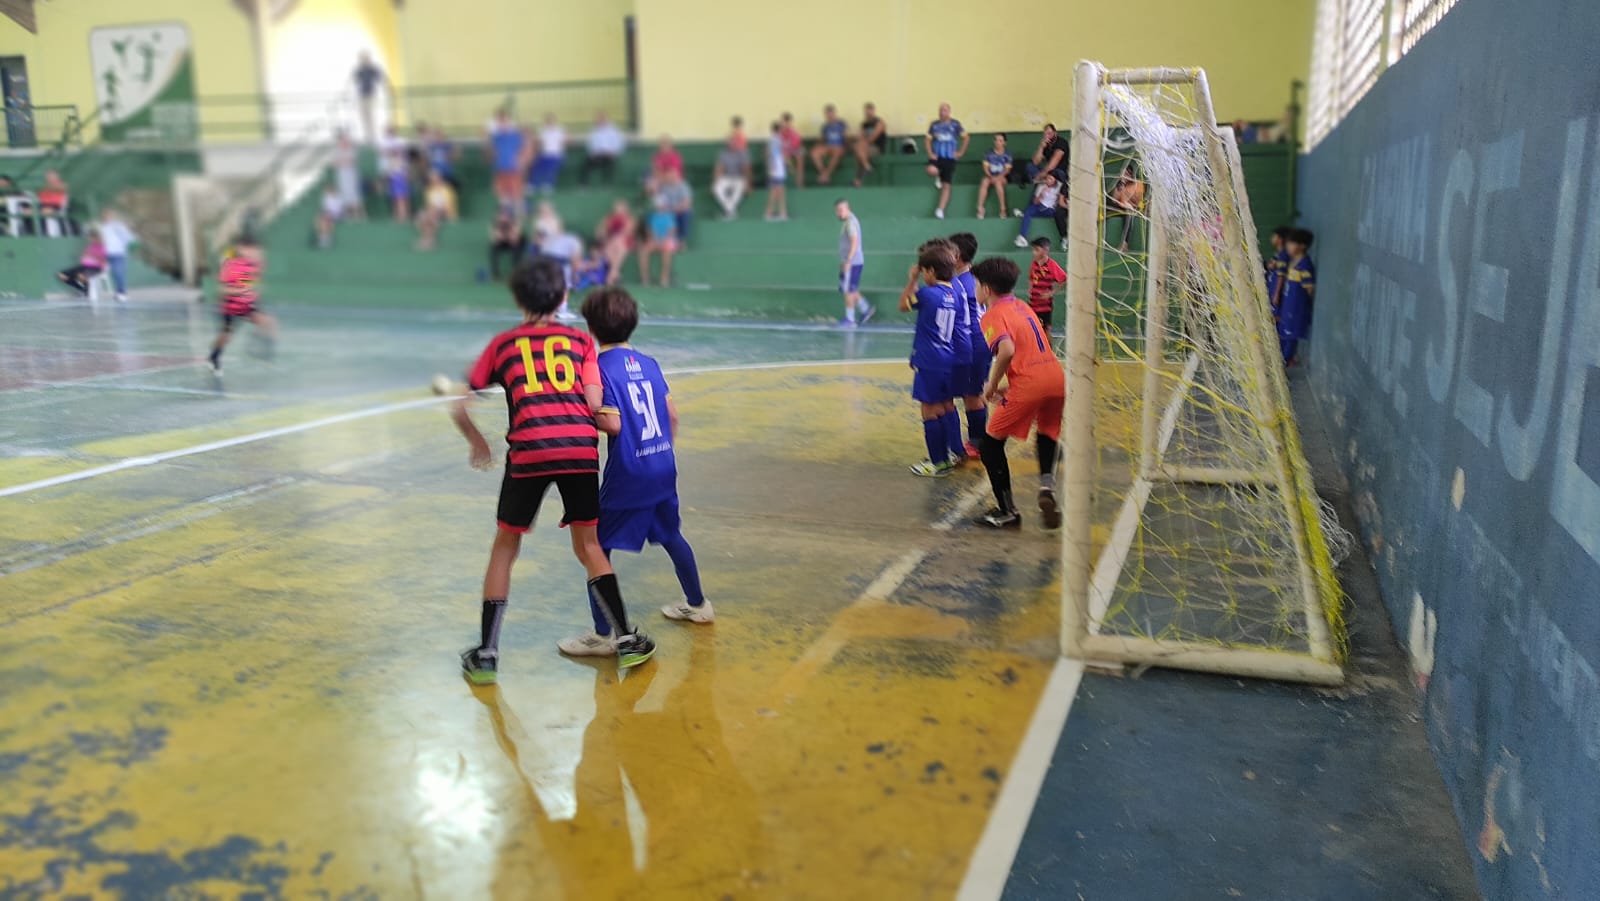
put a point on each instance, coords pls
(329, 215)
(563, 247)
(1124, 202)
(442, 156)
(828, 152)
(794, 150)
(873, 141)
(1243, 132)
(604, 145)
(1052, 154)
(396, 176)
(347, 172)
(731, 179)
(615, 235)
(547, 220)
(660, 238)
(996, 169)
(438, 207)
(503, 148)
(1046, 200)
(91, 262)
(552, 153)
(505, 239)
(54, 202)
(674, 194)
(947, 142)
(736, 136)
(591, 270)
(666, 161)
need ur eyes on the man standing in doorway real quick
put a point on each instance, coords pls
(947, 142)
(368, 76)
(852, 260)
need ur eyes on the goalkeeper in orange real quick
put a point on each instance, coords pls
(1035, 392)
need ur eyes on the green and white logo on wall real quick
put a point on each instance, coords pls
(144, 80)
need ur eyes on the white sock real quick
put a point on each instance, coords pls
(850, 314)
(862, 305)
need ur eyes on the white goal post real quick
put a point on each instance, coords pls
(1192, 535)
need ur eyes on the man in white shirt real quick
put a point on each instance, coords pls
(117, 238)
(606, 143)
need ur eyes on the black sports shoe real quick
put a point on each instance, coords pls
(633, 649)
(479, 665)
(1001, 519)
(1049, 512)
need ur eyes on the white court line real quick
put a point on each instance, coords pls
(57, 305)
(381, 410)
(964, 504)
(990, 867)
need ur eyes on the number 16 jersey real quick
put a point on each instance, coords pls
(544, 369)
(641, 470)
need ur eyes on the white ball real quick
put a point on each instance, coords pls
(443, 385)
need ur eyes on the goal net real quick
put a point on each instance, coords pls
(1192, 535)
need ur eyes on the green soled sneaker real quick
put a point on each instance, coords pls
(633, 649)
(931, 470)
(479, 666)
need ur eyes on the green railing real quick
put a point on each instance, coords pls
(27, 127)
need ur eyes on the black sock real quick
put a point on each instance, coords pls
(494, 609)
(1047, 459)
(607, 595)
(993, 452)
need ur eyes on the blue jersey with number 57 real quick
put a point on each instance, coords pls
(641, 471)
(939, 315)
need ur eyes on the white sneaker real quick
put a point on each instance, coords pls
(684, 612)
(938, 214)
(1063, 245)
(1017, 212)
(1021, 241)
(588, 645)
(122, 298)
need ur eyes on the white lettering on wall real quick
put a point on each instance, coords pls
(1486, 289)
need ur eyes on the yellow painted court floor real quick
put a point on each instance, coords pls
(228, 647)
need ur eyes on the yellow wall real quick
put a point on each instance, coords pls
(58, 56)
(508, 41)
(1003, 64)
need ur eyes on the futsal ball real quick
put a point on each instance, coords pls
(442, 384)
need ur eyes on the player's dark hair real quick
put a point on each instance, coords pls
(966, 244)
(612, 314)
(1001, 135)
(1282, 232)
(738, 121)
(538, 285)
(1302, 236)
(998, 274)
(1041, 241)
(938, 255)
(1051, 126)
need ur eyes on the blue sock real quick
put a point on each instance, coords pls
(688, 573)
(977, 424)
(952, 435)
(933, 435)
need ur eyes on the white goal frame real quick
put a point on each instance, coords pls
(1089, 581)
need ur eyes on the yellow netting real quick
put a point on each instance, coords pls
(1207, 529)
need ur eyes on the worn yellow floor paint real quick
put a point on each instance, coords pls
(236, 672)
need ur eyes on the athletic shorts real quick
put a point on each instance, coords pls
(520, 498)
(977, 373)
(1015, 414)
(628, 530)
(931, 386)
(946, 169)
(231, 311)
(960, 378)
(850, 279)
(1045, 316)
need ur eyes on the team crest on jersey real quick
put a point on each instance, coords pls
(632, 365)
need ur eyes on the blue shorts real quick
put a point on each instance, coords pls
(628, 530)
(960, 378)
(931, 386)
(977, 372)
(850, 280)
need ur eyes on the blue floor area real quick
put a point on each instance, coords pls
(1169, 785)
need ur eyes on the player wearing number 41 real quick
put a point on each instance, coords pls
(1034, 393)
(933, 353)
(639, 494)
(551, 377)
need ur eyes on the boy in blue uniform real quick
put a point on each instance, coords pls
(933, 353)
(1298, 290)
(639, 495)
(1275, 267)
(947, 142)
(969, 378)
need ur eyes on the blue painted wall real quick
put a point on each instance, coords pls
(1456, 355)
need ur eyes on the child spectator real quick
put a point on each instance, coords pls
(1044, 277)
(828, 152)
(118, 240)
(928, 291)
(442, 157)
(736, 136)
(947, 142)
(504, 150)
(1297, 295)
(397, 181)
(661, 239)
(552, 153)
(639, 495)
(91, 262)
(616, 233)
(674, 193)
(505, 239)
(329, 215)
(794, 154)
(1046, 198)
(667, 161)
(553, 440)
(438, 207)
(591, 269)
(777, 177)
(996, 169)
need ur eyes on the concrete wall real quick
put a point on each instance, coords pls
(1457, 355)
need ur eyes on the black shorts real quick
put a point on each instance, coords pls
(228, 318)
(946, 169)
(520, 498)
(1044, 318)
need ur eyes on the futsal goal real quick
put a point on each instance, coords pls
(1192, 534)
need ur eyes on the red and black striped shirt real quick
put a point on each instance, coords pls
(544, 369)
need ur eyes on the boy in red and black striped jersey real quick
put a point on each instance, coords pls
(238, 281)
(1044, 277)
(551, 377)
